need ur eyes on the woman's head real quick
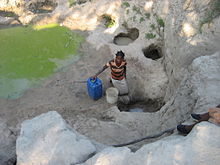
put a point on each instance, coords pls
(218, 106)
(119, 57)
(120, 53)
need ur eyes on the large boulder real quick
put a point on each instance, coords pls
(7, 144)
(48, 140)
(200, 147)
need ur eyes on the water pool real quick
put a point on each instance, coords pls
(30, 54)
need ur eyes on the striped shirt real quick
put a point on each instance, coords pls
(117, 72)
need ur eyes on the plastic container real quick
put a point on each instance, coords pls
(112, 95)
(94, 88)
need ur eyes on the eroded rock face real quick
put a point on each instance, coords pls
(185, 37)
(201, 146)
(48, 140)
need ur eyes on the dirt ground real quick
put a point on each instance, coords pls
(62, 93)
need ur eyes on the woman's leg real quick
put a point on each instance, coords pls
(186, 128)
(204, 117)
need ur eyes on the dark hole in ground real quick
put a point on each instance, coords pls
(7, 14)
(141, 106)
(126, 38)
(42, 7)
(13, 22)
(153, 52)
(82, 1)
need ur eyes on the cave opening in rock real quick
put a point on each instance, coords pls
(42, 7)
(153, 52)
(141, 106)
(126, 38)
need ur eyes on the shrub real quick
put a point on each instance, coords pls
(150, 36)
(141, 19)
(72, 3)
(109, 22)
(160, 22)
(147, 15)
(211, 13)
(153, 26)
(136, 9)
(125, 4)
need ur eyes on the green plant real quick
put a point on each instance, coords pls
(153, 26)
(160, 22)
(72, 3)
(7, 14)
(141, 20)
(136, 9)
(147, 15)
(10, 14)
(134, 18)
(109, 22)
(211, 13)
(125, 4)
(150, 36)
(127, 11)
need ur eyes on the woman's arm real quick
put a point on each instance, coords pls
(99, 72)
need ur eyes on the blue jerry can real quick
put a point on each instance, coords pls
(94, 88)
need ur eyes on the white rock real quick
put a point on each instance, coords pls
(201, 146)
(7, 144)
(205, 73)
(197, 92)
(6, 20)
(197, 148)
(110, 156)
(48, 140)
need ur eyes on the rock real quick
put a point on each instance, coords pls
(200, 147)
(7, 145)
(6, 20)
(198, 91)
(111, 156)
(9, 3)
(185, 39)
(48, 140)
(205, 77)
(26, 18)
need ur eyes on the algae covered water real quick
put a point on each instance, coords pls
(30, 54)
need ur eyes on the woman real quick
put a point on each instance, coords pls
(118, 75)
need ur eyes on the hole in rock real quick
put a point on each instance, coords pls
(107, 20)
(7, 14)
(42, 7)
(153, 52)
(141, 106)
(126, 38)
(82, 1)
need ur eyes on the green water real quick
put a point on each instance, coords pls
(30, 54)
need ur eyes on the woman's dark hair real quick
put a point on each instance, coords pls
(120, 53)
(218, 106)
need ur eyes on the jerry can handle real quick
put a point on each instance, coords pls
(93, 80)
